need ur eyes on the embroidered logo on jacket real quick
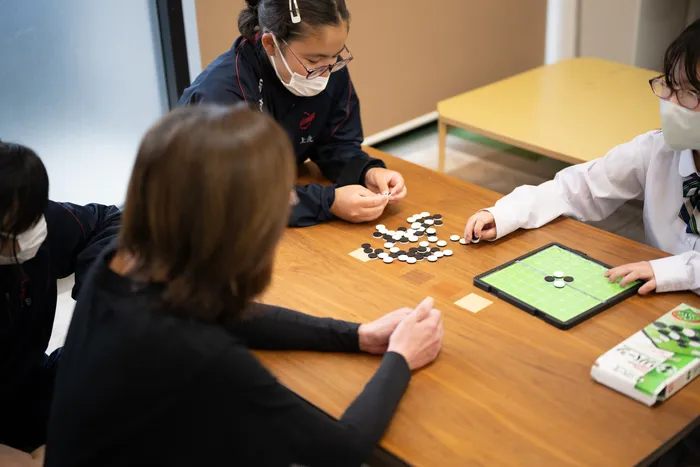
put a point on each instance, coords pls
(307, 120)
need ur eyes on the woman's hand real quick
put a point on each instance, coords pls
(374, 336)
(632, 272)
(480, 225)
(382, 181)
(418, 337)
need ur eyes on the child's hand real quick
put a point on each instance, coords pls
(480, 225)
(633, 272)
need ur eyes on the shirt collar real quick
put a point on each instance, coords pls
(686, 164)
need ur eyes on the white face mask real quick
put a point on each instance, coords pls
(29, 243)
(680, 126)
(299, 85)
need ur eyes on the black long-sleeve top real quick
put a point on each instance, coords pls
(325, 128)
(140, 385)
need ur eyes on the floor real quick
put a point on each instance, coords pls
(498, 167)
(470, 157)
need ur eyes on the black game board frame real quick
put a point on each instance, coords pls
(478, 282)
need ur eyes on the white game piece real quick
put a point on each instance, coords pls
(388, 245)
(694, 344)
(558, 274)
(424, 214)
(447, 252)
(462, 241)
(429, 221)
(411, 220)
(388, 260)
(439, 254)
(413, 239)
(441, 243)
(688, 332)
(433, 239)
(403, 258)
(476, 239)
(382, 255)
(411, 260)
(430, 231)
(454, 238)
(410, 232)
(395, 250)
(417, 217)
(397, 238)
(416, 225)
(424, 244)
(380, 227)
(421, 229)
(391, 232)
(559, 284)
(664, 338)
(432, 258)
(674, 335)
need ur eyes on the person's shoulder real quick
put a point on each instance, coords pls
(226, 79)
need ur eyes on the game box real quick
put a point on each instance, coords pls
(656, 362)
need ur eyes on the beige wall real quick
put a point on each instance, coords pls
(409, 54)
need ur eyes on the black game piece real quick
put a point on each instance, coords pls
(434, 249)
(437, 216)
(411, 255)
(568, 279)
(402, 229)
(682, 344)
(388, 237)
(549, 278)
(377, 234)
(394, 255)
(379, 250)
(438, 223)
(665, 332)
(368, 250)
(695, 338)
(366, 245)
(676, 328)
(404, 240)
(419, 234)
(426, 226)
(412, 250)
(419, 256)
(659, 324)
(401, 252)
(372, 256)
(427, 217)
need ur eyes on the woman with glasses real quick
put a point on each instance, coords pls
(290, 62)
(661, 167)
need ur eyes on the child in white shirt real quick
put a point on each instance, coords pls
(660, 167)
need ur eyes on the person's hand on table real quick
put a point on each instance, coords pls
(382, 181)
(355, 203)
(481, 225)
(632, 272)
(374, 336)
(418, 337)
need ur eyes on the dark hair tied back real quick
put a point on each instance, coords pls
(248, 19)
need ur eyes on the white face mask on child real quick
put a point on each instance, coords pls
(29, 243)
(298, 84)
(680, 126)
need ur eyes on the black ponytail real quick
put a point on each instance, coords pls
(274, 16)
(248, 23)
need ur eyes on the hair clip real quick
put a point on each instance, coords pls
(296, 18)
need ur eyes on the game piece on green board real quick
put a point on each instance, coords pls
(527, 283)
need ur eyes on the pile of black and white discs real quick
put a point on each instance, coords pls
(417, 242)
(558, 279)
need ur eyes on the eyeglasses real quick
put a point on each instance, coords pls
(687, 99)
(316, 72)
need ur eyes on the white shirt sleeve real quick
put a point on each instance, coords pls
(587, 192)
(676, 273)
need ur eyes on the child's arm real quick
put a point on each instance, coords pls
(680, 272)
(587, 192)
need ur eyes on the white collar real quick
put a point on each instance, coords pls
(686, 164)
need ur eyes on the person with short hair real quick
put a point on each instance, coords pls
(40, 241)
(157, 367)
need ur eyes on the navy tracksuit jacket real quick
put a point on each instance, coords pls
(76, 236)
(325, 128)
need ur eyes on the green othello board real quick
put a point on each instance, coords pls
(560, 285)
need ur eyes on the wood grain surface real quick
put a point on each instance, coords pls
(507, 389)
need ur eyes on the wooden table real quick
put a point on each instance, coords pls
(575, 110)
(507, 389)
